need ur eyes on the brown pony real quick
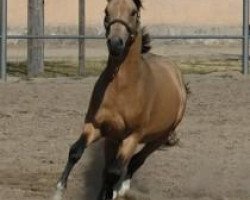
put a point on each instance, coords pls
(139, 98)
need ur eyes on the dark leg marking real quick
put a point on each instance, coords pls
(111, 149)
(116, 170)
(75, 153)
(138, 159)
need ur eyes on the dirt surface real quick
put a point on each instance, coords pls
(39, 119)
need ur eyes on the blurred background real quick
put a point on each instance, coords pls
(181, 17)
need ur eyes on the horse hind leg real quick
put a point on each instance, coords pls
(89, 135)
(136, 162)
(139, 158)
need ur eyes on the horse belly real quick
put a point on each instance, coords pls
(165, 109)
(160, 124)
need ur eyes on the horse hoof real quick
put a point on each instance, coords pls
(59, 191)
(125, 186)
(115, 195)
(60, 186)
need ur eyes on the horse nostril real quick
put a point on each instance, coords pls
(119, 42)
(115, 46)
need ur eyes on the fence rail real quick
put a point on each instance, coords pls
(3, 41)
(95, 37)
(4, 37)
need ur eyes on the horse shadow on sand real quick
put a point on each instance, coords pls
(91, 175)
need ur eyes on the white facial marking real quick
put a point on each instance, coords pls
(119, 11)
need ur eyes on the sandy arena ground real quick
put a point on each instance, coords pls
(39, 119)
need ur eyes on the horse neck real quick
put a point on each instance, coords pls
(134, 53)
(129, 67)
(130, 64)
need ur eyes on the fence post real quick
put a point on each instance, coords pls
(81, 28)
(3, 39)
(35, 59)
(245, 36)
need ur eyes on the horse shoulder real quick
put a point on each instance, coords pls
(103, 110)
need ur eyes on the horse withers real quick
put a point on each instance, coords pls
(139, 98)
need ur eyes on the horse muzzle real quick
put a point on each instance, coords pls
(116, 46)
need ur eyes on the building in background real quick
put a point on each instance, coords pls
(180, 15)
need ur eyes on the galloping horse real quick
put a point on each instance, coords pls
(140, 98)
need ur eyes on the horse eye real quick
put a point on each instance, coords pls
(133, 13)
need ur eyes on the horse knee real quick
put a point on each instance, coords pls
(90, 134)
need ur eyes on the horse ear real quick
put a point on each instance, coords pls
(138, 4)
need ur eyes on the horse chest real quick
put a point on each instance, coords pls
(117, 110)
(110, 123)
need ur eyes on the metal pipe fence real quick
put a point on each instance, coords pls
(4, 37)
(93, 37)
(245, 41)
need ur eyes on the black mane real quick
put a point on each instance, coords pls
(138, 4)
(145, 48)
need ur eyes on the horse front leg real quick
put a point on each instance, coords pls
(116, 171)
(90, 134)
(111, 148)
